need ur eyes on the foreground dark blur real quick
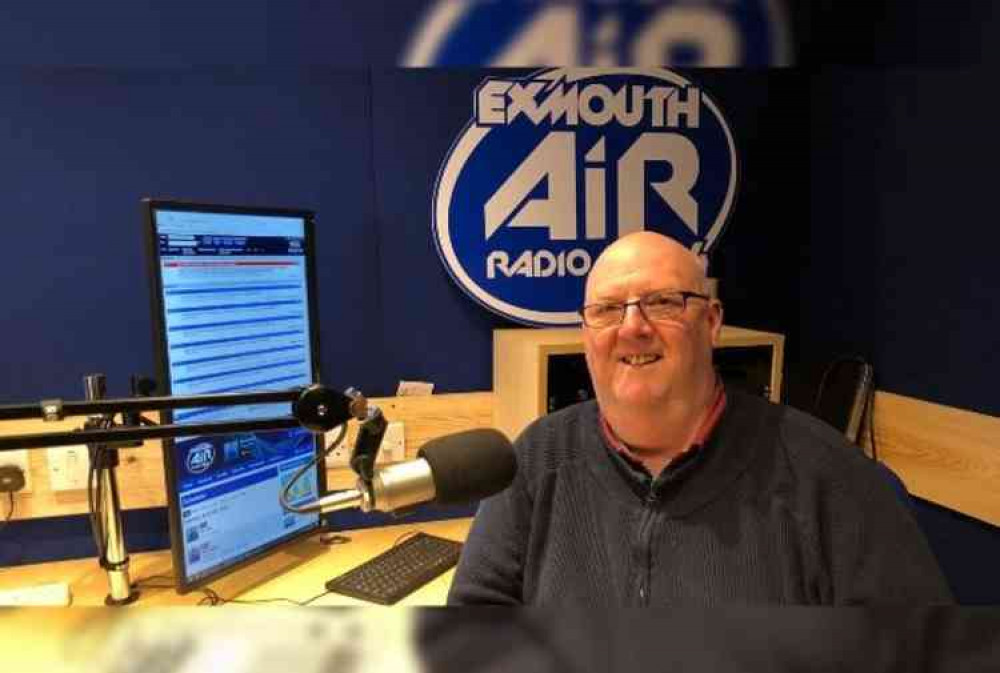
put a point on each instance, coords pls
(873, 640)
(487, 640)
(466, 33)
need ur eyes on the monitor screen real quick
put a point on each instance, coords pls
(234, 311)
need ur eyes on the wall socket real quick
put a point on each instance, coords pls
(68, 467)
(20, 459)
(393, 449)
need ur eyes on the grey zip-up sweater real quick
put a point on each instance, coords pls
(776, 507)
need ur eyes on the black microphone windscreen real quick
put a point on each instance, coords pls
(471, 465)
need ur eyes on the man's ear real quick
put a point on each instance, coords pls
(715, 317)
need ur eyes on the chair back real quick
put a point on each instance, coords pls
(843, 395)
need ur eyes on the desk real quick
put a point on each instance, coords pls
(298, 572)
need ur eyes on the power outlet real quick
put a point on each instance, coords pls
(341, 456)
(393, 448)
(68, 467)
(20, 459)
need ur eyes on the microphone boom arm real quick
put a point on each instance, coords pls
(316, 408)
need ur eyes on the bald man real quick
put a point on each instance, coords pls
(651, 361)
(669, 488)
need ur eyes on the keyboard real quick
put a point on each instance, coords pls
(400, 571)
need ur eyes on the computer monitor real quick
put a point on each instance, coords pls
(233, 311)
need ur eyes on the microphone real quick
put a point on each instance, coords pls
(450, 470)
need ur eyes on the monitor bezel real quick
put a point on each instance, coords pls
(150, 207)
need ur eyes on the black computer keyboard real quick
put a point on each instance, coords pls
(399, 571)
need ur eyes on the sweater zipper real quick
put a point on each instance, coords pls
(645, 538)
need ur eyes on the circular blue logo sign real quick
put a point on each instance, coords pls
(672, 33)
(555, 166)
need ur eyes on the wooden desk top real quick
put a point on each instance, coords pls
(298, 572)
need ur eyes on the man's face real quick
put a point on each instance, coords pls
(641, 363)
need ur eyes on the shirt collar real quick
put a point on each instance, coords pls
(708, 424)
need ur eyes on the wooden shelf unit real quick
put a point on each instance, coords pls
(520, 367)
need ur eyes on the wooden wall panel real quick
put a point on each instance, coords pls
(140, 473)
(946, 455)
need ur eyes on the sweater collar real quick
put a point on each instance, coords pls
(698, 477)
(708, 424)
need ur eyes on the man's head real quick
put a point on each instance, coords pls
(643, 363)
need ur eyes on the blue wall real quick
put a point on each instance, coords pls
(361, 147)
(81, 147)
(863, 224)
(182, 33)
(903, 250)
(902, 258)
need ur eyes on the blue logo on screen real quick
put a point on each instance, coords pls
(200, 458)
(672, 33)
(554, 167)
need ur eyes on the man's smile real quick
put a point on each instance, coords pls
(640, 360)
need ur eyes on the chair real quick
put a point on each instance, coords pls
(844, 394)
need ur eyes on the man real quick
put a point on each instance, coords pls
(672, 489)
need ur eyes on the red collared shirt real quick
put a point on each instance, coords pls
(704, 430)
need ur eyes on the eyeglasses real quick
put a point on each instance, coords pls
(655, 306)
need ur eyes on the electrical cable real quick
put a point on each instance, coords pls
(871, 419)
(10, 511)
(95, 494)
(213, 599)
(321, 455)
(93, 486)
(149, 582)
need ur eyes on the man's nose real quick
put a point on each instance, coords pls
(634, 321)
